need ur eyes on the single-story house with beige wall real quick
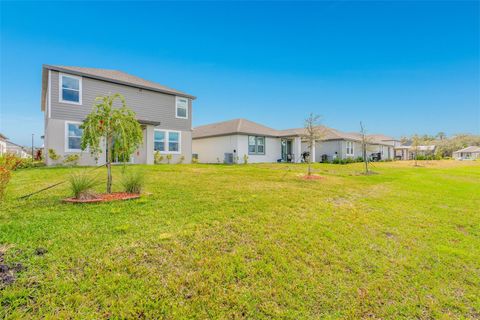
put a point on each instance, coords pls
(407, 151)
(18, 150)
(468, 153)
(3, 144)
(231, 141)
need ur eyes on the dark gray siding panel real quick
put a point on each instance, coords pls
(148, 105)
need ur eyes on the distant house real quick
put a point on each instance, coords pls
(18, 150)
(231, 141)
(68, 94)
(468, 153)
(3, 144)
(407, 151)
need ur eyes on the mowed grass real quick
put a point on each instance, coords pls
(250, 241)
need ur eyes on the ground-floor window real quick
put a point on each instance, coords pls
(349, 148)
(73, 137)
(256, 145)
(167, 141)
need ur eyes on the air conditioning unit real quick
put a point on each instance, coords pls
(228, 158)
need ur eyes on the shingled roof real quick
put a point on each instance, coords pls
(235, 126)
(114, 76)
(469, 149)
(244, 126)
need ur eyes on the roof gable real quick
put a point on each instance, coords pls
(235, 126)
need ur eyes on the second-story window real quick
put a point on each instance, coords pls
(70, 89)
(181, 107)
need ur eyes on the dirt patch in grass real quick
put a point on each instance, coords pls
(7, 272)
(105, 197)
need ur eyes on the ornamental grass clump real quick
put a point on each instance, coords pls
(4, 179)
(133, 182)
(82, 185)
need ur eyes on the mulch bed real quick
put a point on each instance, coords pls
(311, 177)
(105, 197)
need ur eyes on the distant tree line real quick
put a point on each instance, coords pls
(445, 145)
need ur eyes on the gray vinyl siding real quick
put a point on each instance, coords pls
(148, 105)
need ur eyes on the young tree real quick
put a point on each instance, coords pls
(116, 127)
(313, 132)
(365, 142)
(416, 142)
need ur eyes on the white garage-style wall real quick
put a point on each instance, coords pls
(273, 150)
(213, 149)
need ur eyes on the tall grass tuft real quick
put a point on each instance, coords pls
(81, 186)
(133, 182)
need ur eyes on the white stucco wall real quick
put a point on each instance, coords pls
(213, 149)
(329, 148)
(273, 150)
(3, 147)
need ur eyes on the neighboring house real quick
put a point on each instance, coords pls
(3, 144)
(68, 95)
(468, 153)
(230, 141)
(18, 150)
(382, 146)
(407, 151)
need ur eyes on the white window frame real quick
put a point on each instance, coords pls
(166, 145)
(60, 91)
(349, 148)
(164, 138)
(176, 107)
(67, 149)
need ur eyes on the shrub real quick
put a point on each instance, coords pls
(169, 157)
(4, 179)
(133, 182)
(81, 186)
(194, 160)
(245, 159)
(53, 155)
(71, 159)
(158, 158)
(12, 162)
(182, 158)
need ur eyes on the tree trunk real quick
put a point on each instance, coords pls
(310, 160)
(109, 166)
(365, 157)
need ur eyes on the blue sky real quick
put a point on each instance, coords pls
(400, 67)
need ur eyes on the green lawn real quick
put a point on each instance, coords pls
(255, 241)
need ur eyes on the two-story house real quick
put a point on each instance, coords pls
(68, 96)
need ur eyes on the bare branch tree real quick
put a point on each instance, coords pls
(363, 133)
(416, 141)
(313, 132)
